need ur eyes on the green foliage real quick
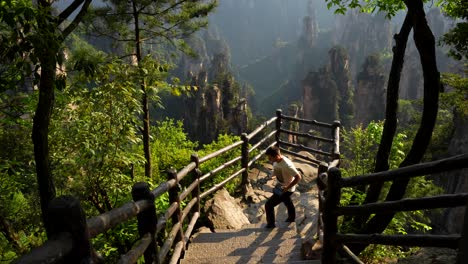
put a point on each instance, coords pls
(93, 136)
(457, 37)
(84, 58)
(19, 209)
(170, 147)
(159, 22)
(360, 146)
(456, 99)
(17, 29)
(121, 238)
(389, 7)
(222, 141)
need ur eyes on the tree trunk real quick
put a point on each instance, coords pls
(47, 59)
(425, 43)
(46, 50)
(40, 133)
(146, 114)
(390, 124)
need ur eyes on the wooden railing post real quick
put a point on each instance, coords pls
(278, 126)
(147, 220)
(321, 184)
(336, 139)
(174, 197)
(67, 216)
(196, 178)
(330, 245)
(323, 167)
(462, 256)
(245, 161)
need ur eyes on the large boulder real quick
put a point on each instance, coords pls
(224, 212)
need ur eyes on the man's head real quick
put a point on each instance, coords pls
(273, 153)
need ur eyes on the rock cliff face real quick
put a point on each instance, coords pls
(327, 93)
(214, 105)
(369, 98)
(362, 34)
(277, 77)
(214, 108)
(451, 220)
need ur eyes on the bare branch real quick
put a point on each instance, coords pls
(77, 19)
(68, 11)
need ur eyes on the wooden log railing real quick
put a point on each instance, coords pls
(331, 184)
(70, 241)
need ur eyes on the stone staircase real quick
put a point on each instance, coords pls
(252, 244)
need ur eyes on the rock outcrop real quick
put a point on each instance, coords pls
(369, 98)
(224, 212)
(450, 220)
(328, 93)
(362, 34)
(215, 104)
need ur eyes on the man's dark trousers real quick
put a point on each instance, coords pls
(273, 201)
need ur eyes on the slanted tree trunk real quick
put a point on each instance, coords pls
(47, 59)
(390, 124)
(425, 43)
(46, 49)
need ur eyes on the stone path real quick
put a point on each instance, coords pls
(252, 243)
(305, 200)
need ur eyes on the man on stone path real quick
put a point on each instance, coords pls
(287, 176)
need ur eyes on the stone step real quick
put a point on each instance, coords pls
(246, 235)
(241, 248)
(250, 259)
(252, 244)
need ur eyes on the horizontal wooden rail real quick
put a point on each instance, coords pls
(101, 223)
(302, 147)
(169, 242)
(171, 210)
(180, 245)
(163, 188)
(191, 226)
(189, 188)
(219, 152)
(258, 156)
(137, 250)
(445, 241)
(448, 164)
(307, 135)
(185, 171)
(314, 161)
(441, 201)
(187, 208)
(306, 121)
(220, 168)
(52, 251)
(221, 184)
(261, 127)
(267, 137)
